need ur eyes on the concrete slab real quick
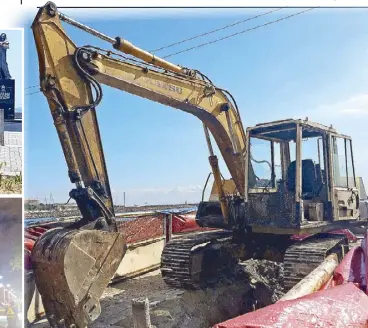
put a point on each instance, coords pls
(11, 153)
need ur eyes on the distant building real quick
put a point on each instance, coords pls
(66, 207)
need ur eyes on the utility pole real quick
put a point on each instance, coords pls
(52, 199)
(51, 202)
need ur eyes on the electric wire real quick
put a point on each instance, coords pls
(214, 31)
(237, 33)
(32, 93)
(213, 41)
(33, 86)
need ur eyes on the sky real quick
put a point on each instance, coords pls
(313, 65)
(14, 59)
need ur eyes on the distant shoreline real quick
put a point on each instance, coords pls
(39, 214)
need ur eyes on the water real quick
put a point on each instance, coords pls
(121, 218)
(33, 221)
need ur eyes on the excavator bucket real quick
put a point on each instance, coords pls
(72, 269)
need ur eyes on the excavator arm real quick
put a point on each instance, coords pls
(189, 94)
(83, 257)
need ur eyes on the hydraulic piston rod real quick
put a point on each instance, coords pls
(127, 47)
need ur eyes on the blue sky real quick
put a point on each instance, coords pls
(314, 65)
(14, 58)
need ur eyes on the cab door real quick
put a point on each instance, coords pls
(345, 192)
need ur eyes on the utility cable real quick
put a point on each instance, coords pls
(214, 31)
(32, 93)
(235, 34)
(31, 87)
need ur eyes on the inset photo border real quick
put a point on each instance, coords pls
(11, 110)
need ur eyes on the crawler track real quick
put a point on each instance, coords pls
(303, 257)
(185, 263)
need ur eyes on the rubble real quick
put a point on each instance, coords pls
(252, 285)
(255, 283)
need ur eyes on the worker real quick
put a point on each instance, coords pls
(12, 315)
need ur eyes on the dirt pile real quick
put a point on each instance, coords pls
(266, 280)
(254, 284)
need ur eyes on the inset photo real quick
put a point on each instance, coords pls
(11, 103)
(11, 276)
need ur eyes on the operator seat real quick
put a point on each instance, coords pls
(320, 179)
(309, 178)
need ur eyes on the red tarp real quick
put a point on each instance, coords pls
(342, 306)
(141, 228)
(340, 303)
(136, 230)
(346, 232)
(365, 249)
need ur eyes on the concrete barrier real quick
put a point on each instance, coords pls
(140, 258)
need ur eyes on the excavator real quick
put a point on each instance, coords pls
(251, 216)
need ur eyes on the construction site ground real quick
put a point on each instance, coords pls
(253, 284)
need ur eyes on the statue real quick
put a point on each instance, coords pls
(4, 69)
(7, 84)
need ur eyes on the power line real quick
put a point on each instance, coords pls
(33, 86)
(216, 30)
(235, 34)
(32, 93)
(211, 32)
(198, 36)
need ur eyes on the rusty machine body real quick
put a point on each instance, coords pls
(296, 192)
(73, 265)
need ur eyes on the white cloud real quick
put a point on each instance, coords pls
(174, 195)
(352, 107)
(349, 117)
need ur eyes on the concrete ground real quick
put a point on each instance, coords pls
(256, 284)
